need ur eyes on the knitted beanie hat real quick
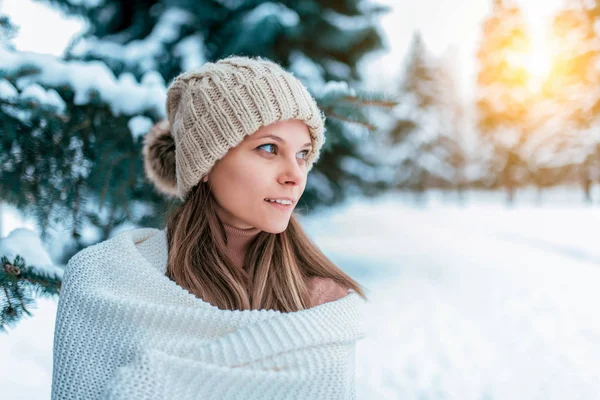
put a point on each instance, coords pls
(211, 109)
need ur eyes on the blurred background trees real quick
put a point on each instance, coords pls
(425, 140)
(503, 100)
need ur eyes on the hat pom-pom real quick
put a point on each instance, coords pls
(159, 158)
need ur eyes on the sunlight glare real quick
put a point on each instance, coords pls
(538, 59)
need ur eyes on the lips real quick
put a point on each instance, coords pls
(281, 206)
(280, 200)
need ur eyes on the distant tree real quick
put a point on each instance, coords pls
(503, 98)
(424, 139)
(568, 138)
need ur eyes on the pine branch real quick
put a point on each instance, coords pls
(377, 103)
(19, 283)
(329, 112)
(44, 110)
(102, 87)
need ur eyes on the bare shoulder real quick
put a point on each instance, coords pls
(324, 290)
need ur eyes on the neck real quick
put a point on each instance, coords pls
(238, 241)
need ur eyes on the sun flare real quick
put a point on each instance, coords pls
(538, 62)
(539, 57)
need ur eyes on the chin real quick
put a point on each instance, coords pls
(276, 227)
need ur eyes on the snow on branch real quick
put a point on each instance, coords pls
(143, 53)
(25, 243)
(124, 94)
(26, 272)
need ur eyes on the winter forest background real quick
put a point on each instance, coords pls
(459, 182)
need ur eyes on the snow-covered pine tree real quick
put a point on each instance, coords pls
(7, 32)
(567, 141)
(503, 97)
(452, 114)
(422, 140)
(72, 127)
(75, 126)
(26, 272)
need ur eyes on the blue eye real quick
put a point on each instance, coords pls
(306, 153)
(268, 144)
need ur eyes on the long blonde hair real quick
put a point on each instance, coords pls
(277, 266)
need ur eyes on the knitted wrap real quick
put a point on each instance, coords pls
(126, 331)
(212, 109)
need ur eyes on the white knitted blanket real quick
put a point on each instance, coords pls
(126, 331)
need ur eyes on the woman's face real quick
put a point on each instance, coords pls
(268, 165)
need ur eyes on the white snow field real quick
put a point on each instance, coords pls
(477, 302)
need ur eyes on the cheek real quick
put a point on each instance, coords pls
(240, 182)
(250, 178)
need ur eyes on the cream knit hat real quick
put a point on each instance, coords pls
(212, 109)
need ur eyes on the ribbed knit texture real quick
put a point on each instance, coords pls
(126, 331)
(237, 243)
(213, 108)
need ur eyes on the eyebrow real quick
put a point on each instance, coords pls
(280, 139)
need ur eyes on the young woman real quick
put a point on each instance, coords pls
(231, 299)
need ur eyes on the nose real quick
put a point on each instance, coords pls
(292, 173)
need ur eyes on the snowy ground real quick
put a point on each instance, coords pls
(479, 302)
